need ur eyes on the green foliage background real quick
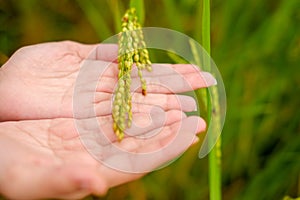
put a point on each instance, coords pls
(255, 44)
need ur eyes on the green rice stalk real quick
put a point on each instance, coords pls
(132, 50)
(92, 13)
(116, 8)
(215, 185)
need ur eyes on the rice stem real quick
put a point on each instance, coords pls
(214, 157)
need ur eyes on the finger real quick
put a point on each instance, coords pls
(159, 69)
(85, 85)
(147, 124)
(174, 77)
(166, 83)
(143, 123)
(101, 131)
(100, 74)
(140, 103)
(166, 102)
(165, 78)
(191, 125)
(175, 83)
(145, 155)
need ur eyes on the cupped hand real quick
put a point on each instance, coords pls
(38, 81)
(66, 147)
(47, 158)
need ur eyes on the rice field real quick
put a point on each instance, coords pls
(256, 46)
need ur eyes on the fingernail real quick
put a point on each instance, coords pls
(195, 109)
(196, 140)
(188, 104)
(209, 79)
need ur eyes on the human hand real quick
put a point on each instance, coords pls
(46, 158)
(38, 81)
(57, 145)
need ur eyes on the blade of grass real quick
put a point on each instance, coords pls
(96, 20)
(176, 58)
(116, 8)
(212, 110)
(214, 157)
(173, 14)
(206, 26)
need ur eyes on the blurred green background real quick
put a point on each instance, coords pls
(255, 44)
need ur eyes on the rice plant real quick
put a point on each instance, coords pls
(256, 46)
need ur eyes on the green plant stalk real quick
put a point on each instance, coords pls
(116, 8)
(171, 13)
(92, 13)
(214, 157)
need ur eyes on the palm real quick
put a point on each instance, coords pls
(62, 167)
(40, 80)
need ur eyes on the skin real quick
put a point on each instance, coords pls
(47, 158)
